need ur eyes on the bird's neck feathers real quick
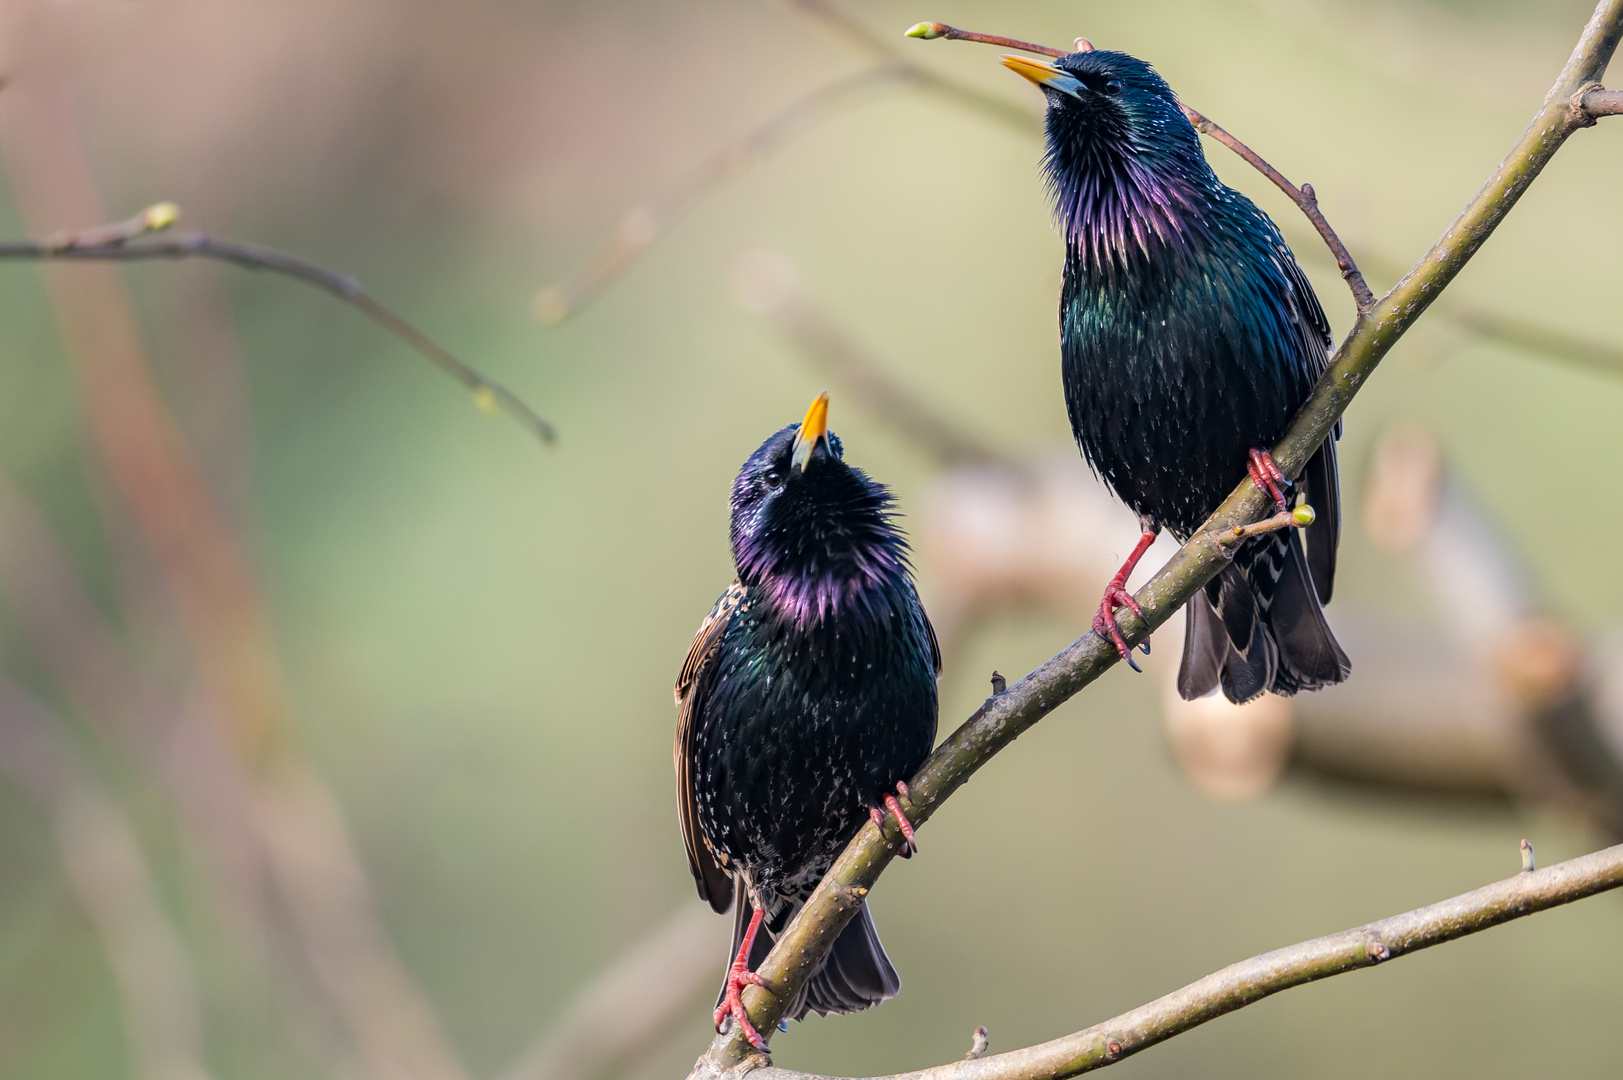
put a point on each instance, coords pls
(1126, 201)
(844, 564)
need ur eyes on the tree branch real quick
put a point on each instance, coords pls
(122, 242)
(1601, 102)
(1303, 196)
(1249, 981)
(807, 940)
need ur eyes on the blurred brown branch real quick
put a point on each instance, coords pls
(311, 863)
(1249, 981)
(127, 241)
(646, 221)
(109, 875)
(808, 939)
(664, 970)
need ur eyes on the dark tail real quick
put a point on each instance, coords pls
(1259, 626)
(857, 974)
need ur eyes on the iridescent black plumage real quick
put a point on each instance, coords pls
(1189, 336)
(809, 692)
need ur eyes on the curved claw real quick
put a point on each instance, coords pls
(1266, 475)
(910, 846)
(1104, 623)
(733, 1006)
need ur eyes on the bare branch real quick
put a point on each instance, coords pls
(1249, 981)
(929, 31)
(807, 940)
(1303, 196)
(121, 242)
(1600, 102)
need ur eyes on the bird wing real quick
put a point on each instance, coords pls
(935, 643)
(714, 882)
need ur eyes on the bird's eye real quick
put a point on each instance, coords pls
(773, 479)
(1112, 87)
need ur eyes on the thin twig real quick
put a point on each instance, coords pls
(929, 31)
(807, 940)
(1249, 981)
(123, 243)
(766, 284)
(648, 220)
(645, 222)
(1303, 196)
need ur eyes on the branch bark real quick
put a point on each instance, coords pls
(1005, 716)
(1249, 981)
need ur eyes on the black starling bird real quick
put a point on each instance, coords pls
(807, 698)
(1189, 337)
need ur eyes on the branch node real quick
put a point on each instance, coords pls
(1112, 1049)
(978, 1043)
(1375, 950)
(1528, 865)
(1083, 45)
(999, 683)
(1577, 115)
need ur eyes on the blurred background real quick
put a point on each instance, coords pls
(335, 716)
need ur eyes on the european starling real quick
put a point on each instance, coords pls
(1189, 337)
(807, 698)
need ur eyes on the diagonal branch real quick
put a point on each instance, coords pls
(1303, 196)
(804, 944)
(1249, 981)
(122, 242)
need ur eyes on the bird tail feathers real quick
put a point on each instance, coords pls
(1259, 626)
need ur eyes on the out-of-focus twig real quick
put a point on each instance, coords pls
(644, 223)
(121, 243)
(1304, 197)
(314, 868)
(765, 283)
(1550, 341)
(1249, 981)
(664, 970)
(110, 878)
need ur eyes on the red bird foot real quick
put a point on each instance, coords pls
(1266, 475)
(902, 823)
(1116, 595)
(739, 976)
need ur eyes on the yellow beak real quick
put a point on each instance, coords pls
(813, 430)
(1042, 74)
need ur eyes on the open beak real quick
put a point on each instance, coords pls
(1043, 74)
(813, 430)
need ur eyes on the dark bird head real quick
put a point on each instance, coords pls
(811, 532)
(1124, 165)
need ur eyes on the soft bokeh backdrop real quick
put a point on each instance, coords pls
(480, 633)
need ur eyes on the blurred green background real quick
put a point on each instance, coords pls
(479, 633)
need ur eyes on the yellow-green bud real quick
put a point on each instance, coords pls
(929, 31)
(1303, 516)
(485, 398)
(159, 216)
